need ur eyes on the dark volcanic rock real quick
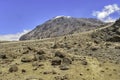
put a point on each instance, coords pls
(3, 56)
(59, 54)
(41, 52)
(56, 61)
(111, 33)
(62, 25)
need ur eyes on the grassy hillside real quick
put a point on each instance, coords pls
(71, 57)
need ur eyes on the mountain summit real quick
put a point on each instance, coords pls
(62, 25)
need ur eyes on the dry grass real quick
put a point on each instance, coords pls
(102, 62)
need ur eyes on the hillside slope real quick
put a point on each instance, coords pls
(72, 57)
(62, 25)
(111, 33)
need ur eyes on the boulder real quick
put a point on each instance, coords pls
(64, 67)
(67, 60)
(2, 56)
(41, 52)
(59, 54)
(13, 68)
(56, 61)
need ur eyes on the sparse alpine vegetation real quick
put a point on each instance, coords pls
(91, 55)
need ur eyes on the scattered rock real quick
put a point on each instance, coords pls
(54, 72)
(29, 48)
(0, 72)
(23, 70)
(94, 48)
(41, 52)
(114, 39)
(118, 31)
(81, 74)
(59, 54)
(55, 45)
(13, 68)
(117, 47)
(37, 64)
(67, 60)
(42, 57)
(3, 56)
(28, 58)
(65, 77)
(35, 68)
(26, 52)
(46, 72)
(58, 78)
(64, 67)
(84, 62)
(56, 61)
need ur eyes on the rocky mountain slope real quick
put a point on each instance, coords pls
(111, 33)
(81, 56)
(62, 25)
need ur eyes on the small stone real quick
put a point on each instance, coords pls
(58, 78)
(65, 77)
(94, 48)
(42, 57)
(23, 70)
(0, 72)
(56, 61)
(84, 62)
(13, 68)
(28, 58)
(64, 67)
(59, 54)
(3, 56)
(35, 68)
(38, 64)
(118, 31)
(54, 72)
(67, 61)
(46, 72)
(117, 47)
(41, 52)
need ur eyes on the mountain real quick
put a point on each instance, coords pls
(62, 25)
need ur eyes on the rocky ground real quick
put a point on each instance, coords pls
(82, 56)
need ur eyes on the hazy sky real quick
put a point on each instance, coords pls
(19, 16)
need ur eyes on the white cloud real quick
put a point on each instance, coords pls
(13, 37)
(104, 15)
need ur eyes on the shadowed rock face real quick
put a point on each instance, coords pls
(60, 26)
(111, 34)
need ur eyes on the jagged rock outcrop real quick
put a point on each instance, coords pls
(111, 33)
(62, 25)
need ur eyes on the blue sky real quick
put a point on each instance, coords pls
(18, 16)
